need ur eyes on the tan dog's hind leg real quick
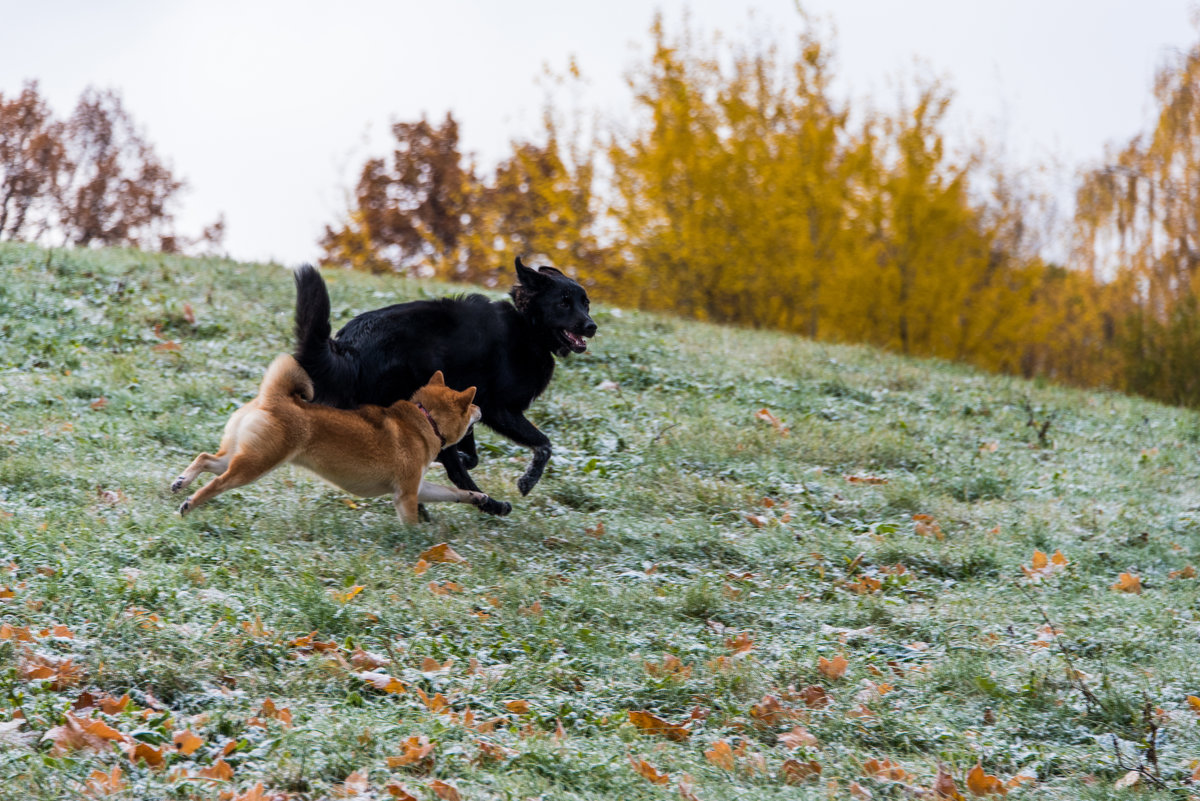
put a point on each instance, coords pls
(204, 463)
(243, 468)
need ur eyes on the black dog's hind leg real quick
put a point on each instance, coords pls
(514, 426)
(451, 459)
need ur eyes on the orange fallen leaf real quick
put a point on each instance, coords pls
(795, 772)
(721, 755)
(101, 783)
(741, 644)
(170, 345)
(441, 552)
(186, 742)
(399, 792)
(649, 723)
(1194, 703)
(766, 416)
(860, 792)
(382, 681)
(799, 737)
(648, 771)
(981, 783)
(445, 790)
(926, 526)
(519, 706)
(420, 567)
(417, 750)
(144, 752)
(189, 313)
(347, 595)
(445, 588)
(368, 660)
(355, 784)
(220, 770)
(833, 668)
(944, 785)
(1128, 582)
(1186, 573)
(886, 770)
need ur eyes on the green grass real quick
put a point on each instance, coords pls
(714, 524)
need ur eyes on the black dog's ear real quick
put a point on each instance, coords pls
(529, 276)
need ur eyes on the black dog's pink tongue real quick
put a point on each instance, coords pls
(575, 340)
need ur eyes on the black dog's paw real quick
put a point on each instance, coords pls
(423, 513)
(495, 507)
(177, 484)
(185, 507)
(526, 483)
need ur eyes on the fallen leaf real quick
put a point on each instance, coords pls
(381, 681)
(648, 772)
(741, 644)
(1186, 573)
(441, 552)
(944, 785)
(886, 770)
(799, 737)
(650, 723)
(101, 783)
(866, 480)
(399, 792)
(347, 595)
(795, 771)
(926, 526)
(445, 790)
(721, 755)
(221, 771)
(981, 783)
(860, 792)
(420, 567)
(833, 668)
(1128, 582)
(517, 705)
(355, 784)
(187, 742)
(416, 751)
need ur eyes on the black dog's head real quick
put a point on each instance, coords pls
(555, 303)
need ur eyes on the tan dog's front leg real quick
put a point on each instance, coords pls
(406, 507)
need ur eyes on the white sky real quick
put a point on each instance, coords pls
(268, 108)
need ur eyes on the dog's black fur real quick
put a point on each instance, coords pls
(506, 350)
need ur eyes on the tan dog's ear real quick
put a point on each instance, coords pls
(438, 380)
(467, 396)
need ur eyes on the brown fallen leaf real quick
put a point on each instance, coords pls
(795, 772)
(355, 784)
(416, 751)
(833, 668)
(441, 552)
(798, 737)
(186, 742)
(721, 755)
(649, 723)
(648, 771)
(1128, 582)
(445, 790)
(101, 783)
(981, 783)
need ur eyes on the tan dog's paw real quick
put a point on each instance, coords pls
(185, 507)
(177, 484)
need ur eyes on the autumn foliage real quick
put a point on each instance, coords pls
(746, 193)
(90, 179)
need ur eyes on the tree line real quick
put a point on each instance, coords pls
(745, 192)
(87, 180)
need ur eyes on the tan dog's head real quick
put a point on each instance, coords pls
(452, 410)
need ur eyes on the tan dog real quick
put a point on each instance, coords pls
(369, 451)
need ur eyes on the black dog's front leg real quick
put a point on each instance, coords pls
(514, 426)
(467, 450)
(451, 459)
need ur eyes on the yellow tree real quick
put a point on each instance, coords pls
(1138, 229)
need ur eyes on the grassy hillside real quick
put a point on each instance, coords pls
(684, 556)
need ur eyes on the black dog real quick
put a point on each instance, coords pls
(505, 350)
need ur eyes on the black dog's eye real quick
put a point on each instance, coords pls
(566, 301)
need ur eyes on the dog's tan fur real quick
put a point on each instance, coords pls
(369, 451)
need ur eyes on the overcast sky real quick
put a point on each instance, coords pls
(266, 109)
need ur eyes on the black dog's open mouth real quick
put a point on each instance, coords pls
(574, 341)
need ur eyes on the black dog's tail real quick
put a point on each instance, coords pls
(319, 355)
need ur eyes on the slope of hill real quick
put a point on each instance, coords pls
(758, 567)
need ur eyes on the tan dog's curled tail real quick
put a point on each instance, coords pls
(285, 378)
